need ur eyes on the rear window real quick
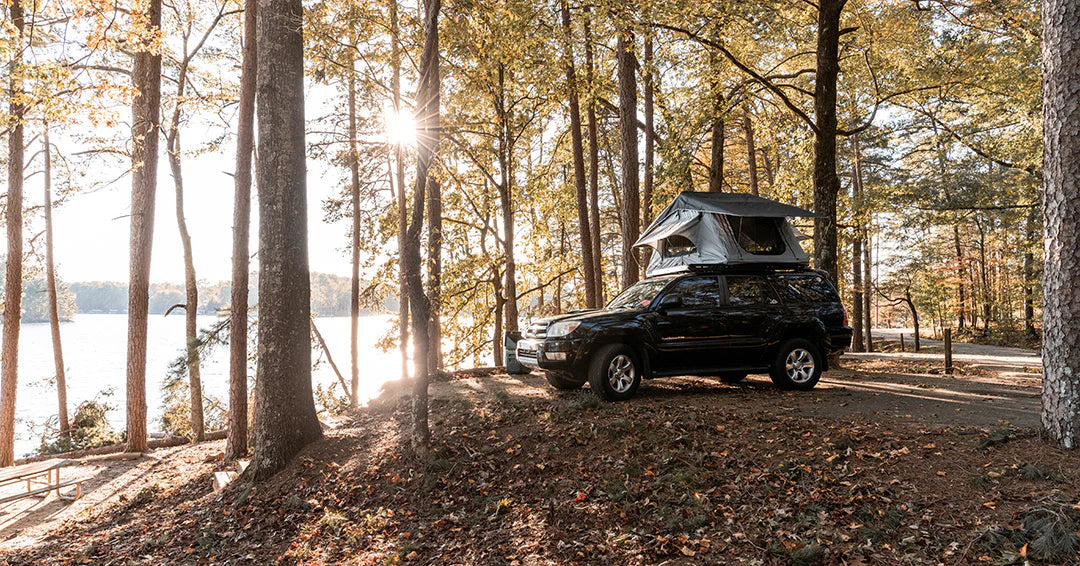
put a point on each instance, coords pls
(806, 288)
(759, 236)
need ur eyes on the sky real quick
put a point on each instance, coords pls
(91, 230)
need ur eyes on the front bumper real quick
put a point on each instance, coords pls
(553, 353)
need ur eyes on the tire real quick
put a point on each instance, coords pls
(806, 362)
(615, 372)
(733, 377)
(564, 381)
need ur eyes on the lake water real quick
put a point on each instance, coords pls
(95, 355)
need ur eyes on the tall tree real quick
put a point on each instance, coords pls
(9, 374)
(826, 183)
(428, 141)
(716, 147)
(594, 163)
(578, 149)
(1061, 213)
(628, 143)
(50, 287)
(145, 130)
(649, 78)
(399, 178)
(236, 444)
(751, 151)
(354, 194)
(285, 419)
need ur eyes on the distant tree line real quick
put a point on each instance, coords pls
(329, 297)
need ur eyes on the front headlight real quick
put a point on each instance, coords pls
(562, 328)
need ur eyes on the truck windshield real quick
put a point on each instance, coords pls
(640, 295)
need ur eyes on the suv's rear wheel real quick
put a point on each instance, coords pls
(797, 365)
(565, 381)
(615, 372)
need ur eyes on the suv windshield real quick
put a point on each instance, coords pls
(640, 295)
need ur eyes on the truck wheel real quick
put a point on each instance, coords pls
(797, 365)
(564, 381)
(733, 377)
(615, 372)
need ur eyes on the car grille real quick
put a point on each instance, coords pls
(527, 356)
(536, 330)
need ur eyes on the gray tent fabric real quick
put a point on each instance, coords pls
(722, 228)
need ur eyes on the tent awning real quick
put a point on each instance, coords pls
(677, 223)
(736, 204)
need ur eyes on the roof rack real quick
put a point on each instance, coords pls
(751, 267)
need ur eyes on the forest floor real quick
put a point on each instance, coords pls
(887, 462)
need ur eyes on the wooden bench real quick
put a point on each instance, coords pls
(45, 474)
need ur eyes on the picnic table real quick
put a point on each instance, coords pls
(45, 475)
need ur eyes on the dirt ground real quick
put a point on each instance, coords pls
(914, 445)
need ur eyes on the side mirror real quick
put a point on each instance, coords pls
(670, 302)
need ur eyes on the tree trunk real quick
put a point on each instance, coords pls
(1061, 214)
(506, 201)
(428, 141)
(868, 289)
(650, 140)
(50, 280)
(191, 304)
(962, 275)
(716, 151)
(146, 109)
(434, 282)
(237, 445)
(399, 165)
(858, 344)
(578, 149)
(914, 316)
(594, 168)
(751, 151)
(9, 374)
(285, 418)
(826, 183)
(497, 341)
(1029, 274)
(354, 193)
(628, 143)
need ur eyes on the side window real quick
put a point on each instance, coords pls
(745, 291)
(758, 236)
(806, 288)
(697, 292)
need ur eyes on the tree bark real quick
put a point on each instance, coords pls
(285, 419)
(716, 147)
(628, 144)
(594, 166)
(354, 193)
(650, 140)
(50, 280)
(826, 183)
(506, 200)
(237, 446)
(1029, 274)
(868, 287)
(428, 125)
(751, 151)
(191, 288)
(578, 150)
(1061, 214)
(961, 270)
(434, 273)
(399, 166)
(914, 316)
(146, 109)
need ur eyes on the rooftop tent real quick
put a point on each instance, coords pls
(723, 228)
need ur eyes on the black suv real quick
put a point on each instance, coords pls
(727, 322)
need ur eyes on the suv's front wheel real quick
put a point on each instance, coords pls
(797, 365)
(615, 372)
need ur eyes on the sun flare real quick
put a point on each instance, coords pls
(400, 127)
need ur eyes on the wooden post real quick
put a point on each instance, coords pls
(902, 343)
(948, 351)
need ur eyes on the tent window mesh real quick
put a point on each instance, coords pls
(758, 236)
(678, 246)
